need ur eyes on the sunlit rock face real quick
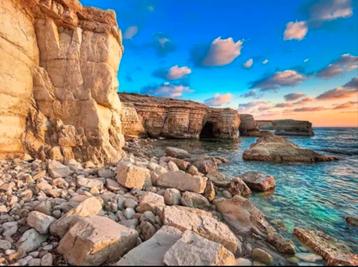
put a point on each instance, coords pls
(173, 118)
(292, 127)
(58, 70)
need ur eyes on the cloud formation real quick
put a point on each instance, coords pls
(166, 90)
(130, 32)
(176, 72)
(295, 30)
(265, 61)
(279, 79)
(293, 96)
(248, 63)
(344, 63)
(308, 109)
(163, 44)
(326, 10)
(348, 90)
(219, 100)
(222, 52)
(347, 105)
(251, 93)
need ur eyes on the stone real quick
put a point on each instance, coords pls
(202, 223)
(193, 170)
(47, 260)
(172, 166)
(332, 251)
(206, 165)
(258, 181)
(308, 257)
(40, 221)
(280, 149)
(130, 203)
(177, 153)
(88, 207)
(219, 179)
(147, 230)
(261, 255)
(243, 262)
(172, 196)
(194, 200)
(151, 202)
(248, 126)
(90, 183)
(5, 245)
(131, 176)
(238, 187)
(57, 169)
(30, 241)
(112, 185)
(352, 220)
(292, 127)
(129, 213)
(106, 173)
(96, 240)
(209, 191)
(193, 250)
(152, 251)
(182, 181)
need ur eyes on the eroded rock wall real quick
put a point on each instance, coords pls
(62, 81)
(173, 118)
(292, 127)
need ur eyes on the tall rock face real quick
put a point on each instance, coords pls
(173, 118)
(58, 74)
(248, 126)
(292, 127)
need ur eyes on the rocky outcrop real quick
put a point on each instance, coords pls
(280, 149)
(58, 72)
(173, 118)
(264, 124)
(292, 127)
(248, 126)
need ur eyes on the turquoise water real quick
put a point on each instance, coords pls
(318, 196)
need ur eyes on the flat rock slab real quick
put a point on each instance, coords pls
(177, 152)
(258, 181)
(96, 240)
(195, 250)
(151, 202)
(332, 251)
(131, 176)
(152, 251)
(203, 223)
(182, 181)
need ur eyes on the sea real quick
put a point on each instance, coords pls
(311, 195)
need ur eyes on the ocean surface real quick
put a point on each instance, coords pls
(317, 196)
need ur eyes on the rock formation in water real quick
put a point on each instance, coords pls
(172, 118)
(280, 149)
(248, 126)
(58, 75)
(292, 127)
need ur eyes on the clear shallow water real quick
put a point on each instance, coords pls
(318, 196)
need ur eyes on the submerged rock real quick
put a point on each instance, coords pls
(177, 153)
(352, 220)
(332, 251)
(279, 149)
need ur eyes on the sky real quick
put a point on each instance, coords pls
(274, 59)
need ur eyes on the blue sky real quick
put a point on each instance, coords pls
(160, 34)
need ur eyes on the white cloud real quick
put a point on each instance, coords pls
(130, 32)
(166, 90)
(222, 52)
(306, 60)
(248, 64)
(176, 72)
(279, 79)
(265, 61)
(326, 10)
(219, 100)
(295, 30)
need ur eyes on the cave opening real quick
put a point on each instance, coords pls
(207, 131)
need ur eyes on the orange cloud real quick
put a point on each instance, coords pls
(177, 72)
(295, 30)
(219, 100)
(222, 52)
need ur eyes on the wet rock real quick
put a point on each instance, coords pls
(308, 257)
(352, 220)
(332, 251)
(203, 223)
(193, 170)
(131, 176)
(152, 251)
(238, 187)
(56, 169)
(151, 202)
(258, 181)
(177, 153)
(172, 196)
(194, 250)
(261, 255)
(96, 240)
(279, 149)
(40, 221)
(206, 165)
(218, 178)
(182, 181)
(194, 200)
(30, 241)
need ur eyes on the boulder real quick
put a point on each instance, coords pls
(172, 196)
(261, 255)
(96, 240)
(30, 240)
(202, 223)
(152, 251)
(177, 153)
(210, 192)
(131, 176)
(248, 125)
(219, 179)
(40, 221)
(182, 181)
(258, 181)
(194, 200)
(279, 149)
(56, 169)
(206, 165)
(332, 251)
(292, 127)
(238, 187)
(151, 202)
(193, 250)
(88, 207)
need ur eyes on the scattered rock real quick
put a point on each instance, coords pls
(194, 200)
(182, 181)
(131, 176)
(40, 221)
(177, 153)
(206, 165)
(30, 241)
(258, 181)
(96, 240)
(238, 187)
(262, 255)
(194, 250)
(151, 202)
(209, 191)
(56, 169)
(172, 196)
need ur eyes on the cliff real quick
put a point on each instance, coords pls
(292, 127)
(58, 75)
(173, 118)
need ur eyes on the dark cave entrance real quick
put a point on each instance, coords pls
(207, 131)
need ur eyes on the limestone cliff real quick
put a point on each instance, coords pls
(58, 76)
(248, 125)
(173, 118)
(292, 127)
